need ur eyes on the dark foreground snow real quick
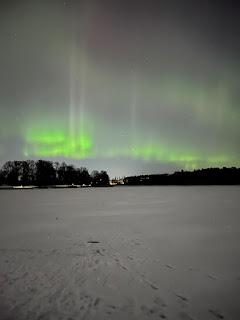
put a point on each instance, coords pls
(120, 253)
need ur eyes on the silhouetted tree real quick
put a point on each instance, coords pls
(61, 173)
(104, 178)
(99, 179)
(27, 172)
(68, 174)
(45, 173)
(2, 181)
(94, 177)
(56, 166)
(71, 175)
(10, 171)
(84, 176)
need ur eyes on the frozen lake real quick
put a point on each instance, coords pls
(120, 253)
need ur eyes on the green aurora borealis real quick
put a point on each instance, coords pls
(56, 143)
(153, 89)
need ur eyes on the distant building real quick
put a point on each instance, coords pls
(115, 182)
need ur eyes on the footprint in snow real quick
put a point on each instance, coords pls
(216, 313)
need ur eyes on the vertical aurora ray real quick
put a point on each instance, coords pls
(82, 90)
(78, 142)
(72, 90)
(133, 109)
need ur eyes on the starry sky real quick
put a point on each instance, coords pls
(131, 87)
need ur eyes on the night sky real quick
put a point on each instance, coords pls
(126, 86)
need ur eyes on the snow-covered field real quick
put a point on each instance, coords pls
(120, 253)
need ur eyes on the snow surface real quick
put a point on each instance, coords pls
(120, 253)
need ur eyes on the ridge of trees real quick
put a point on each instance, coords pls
(210, 176)
(46, 173)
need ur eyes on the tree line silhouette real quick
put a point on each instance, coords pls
(46, 173)
(210, 176)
